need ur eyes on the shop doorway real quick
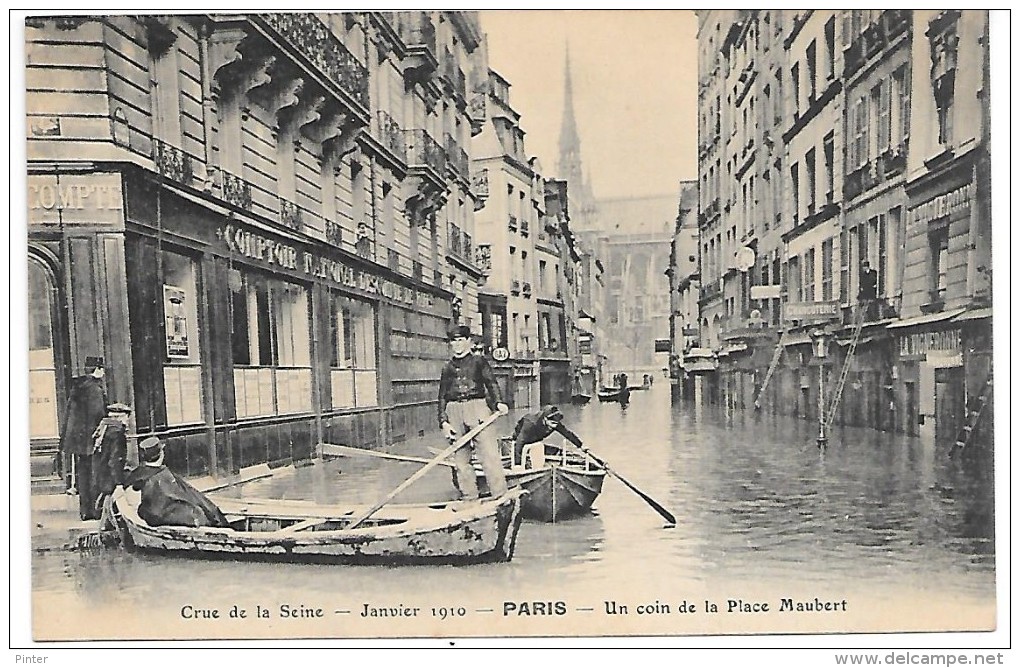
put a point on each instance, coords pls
(950, 404)
(47, 341)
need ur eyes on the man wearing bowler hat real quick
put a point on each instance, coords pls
(167, 498)
(468, 394)
(86, 407)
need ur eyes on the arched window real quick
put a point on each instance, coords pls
(42, 368)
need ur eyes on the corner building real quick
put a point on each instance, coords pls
(260, 222)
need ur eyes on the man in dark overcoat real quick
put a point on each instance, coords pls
(86, 407)
(109, 455)
(167, 498)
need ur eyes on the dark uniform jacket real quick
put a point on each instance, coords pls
(533, 429)
(168, 499)
(109, 456)
(468, 377)
(86, 407)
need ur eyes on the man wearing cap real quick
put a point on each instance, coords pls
(109, 454)
(167, 498)
(86, 407)
(468, 394)
(536, 427)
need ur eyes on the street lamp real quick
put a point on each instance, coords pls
(820, 348)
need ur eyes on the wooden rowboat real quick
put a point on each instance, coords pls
(295, 531)
(562, 485)
(613, 393)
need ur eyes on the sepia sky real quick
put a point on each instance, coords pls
(635, 91)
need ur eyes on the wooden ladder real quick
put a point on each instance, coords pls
(777, 354)
(830, 415)
(966, 432)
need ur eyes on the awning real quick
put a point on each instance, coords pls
(974, 314)
(796, 340)
(926, 319)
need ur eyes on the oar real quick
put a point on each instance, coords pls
(456, 445)
(344, 450)
(656, 506)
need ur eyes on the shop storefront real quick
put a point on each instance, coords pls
(237, 343)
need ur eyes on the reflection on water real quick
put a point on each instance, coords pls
(757, 502)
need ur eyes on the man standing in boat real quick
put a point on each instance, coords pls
(468, 394)
(536, 427)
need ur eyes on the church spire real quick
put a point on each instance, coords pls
(570, 142)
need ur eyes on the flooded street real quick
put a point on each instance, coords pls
(878, 520)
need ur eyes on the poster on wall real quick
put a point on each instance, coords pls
(176, 318)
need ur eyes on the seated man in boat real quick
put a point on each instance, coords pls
(167, 498)
(536, 427)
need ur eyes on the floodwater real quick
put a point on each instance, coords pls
(878, 531)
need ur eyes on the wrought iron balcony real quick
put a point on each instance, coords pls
(512, 224)
(392, 136)
(171, 162)
(334, 234)
(457, 158)
(424, 151)
(483, 258)
(290, 214)
(515, 287)
(480, 184)
(419, 34)
(455, 240)
(524, 227)
(235, 190)
(477, 112)
(312, 40)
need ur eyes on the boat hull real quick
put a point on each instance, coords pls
(610, 395)
(483, 532)
(555, 492)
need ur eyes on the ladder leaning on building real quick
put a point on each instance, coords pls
(830, 415)
(777, 355)
(974, 415)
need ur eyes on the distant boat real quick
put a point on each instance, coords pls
(619, 394)
(580, 399)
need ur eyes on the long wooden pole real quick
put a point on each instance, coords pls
(456, 445)
(656, 506)
(335, 450)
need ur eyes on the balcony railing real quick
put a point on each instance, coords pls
(424, 151)
(236, 191)
(458, 158)
(392, 136)
(334, 234)
(483, 258)
(171, 162)
(290, 214)
(512, 223)
(526, 290)
(306, 34)
(480, 184)
(455, 240)
(454, 74)
(515, 287)
(524, 227)
(417, 31)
